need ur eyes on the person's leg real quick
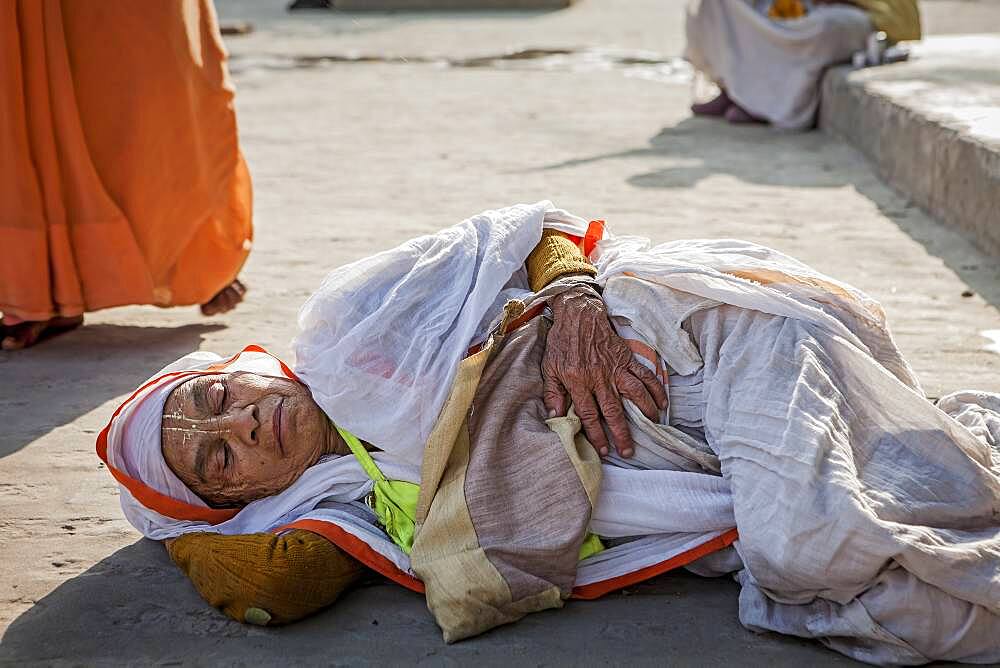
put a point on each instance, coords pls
(40, 275)
(714, 107)
(738, 115)
(702, 49)
(55, 89)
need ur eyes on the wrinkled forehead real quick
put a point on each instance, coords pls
(183, 399)
(193, 397)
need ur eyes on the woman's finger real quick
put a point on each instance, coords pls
(652, 383)
(590, 416)
(614, 415)
(633, 389)
(553, 394)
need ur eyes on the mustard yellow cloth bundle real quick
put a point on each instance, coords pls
(262, 578)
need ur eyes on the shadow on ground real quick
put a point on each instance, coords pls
(697, 148)
(136, 607)
(84, 368)
(269, 15)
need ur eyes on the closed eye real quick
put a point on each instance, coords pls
(218, 392)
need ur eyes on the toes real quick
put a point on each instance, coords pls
(233, 297)
(23, 336)
(225, 300)
(230, 298)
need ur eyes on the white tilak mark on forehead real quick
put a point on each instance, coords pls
(187, 435)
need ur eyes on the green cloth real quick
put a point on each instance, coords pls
(395, 502)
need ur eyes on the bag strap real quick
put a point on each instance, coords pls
(362, 455)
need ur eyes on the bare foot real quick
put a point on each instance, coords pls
(737, 114)
(28, 333)
(225, 299)
(716, 107)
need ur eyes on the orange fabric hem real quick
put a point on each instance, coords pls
(598, 589)
(15, 313)
(364, 553)
(358, 549)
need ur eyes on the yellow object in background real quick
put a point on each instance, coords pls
(786, 9)
(899, 19)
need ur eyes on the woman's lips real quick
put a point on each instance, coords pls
(276, 426)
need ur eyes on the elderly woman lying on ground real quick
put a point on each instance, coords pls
(451, 402)
(768, 56)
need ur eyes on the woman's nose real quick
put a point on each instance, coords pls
(244, 423)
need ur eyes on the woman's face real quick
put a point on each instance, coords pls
(238, 437)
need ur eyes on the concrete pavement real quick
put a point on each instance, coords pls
(350, 158)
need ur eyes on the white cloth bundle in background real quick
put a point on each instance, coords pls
(772, 68)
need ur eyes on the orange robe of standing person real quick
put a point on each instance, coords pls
(121, 178)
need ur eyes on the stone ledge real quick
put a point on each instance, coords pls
(931, 126)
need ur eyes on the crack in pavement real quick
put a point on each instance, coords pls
(639, 64)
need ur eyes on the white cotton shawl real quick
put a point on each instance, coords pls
(381, 339)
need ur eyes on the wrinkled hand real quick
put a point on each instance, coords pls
(587, 360)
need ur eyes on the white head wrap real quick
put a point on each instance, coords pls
(158, 504)
(133, 435)
(137, 432)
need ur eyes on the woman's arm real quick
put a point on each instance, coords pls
(585, 360)
(555, 256)
(264, 578)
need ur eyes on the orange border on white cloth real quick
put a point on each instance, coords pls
(360, 550)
